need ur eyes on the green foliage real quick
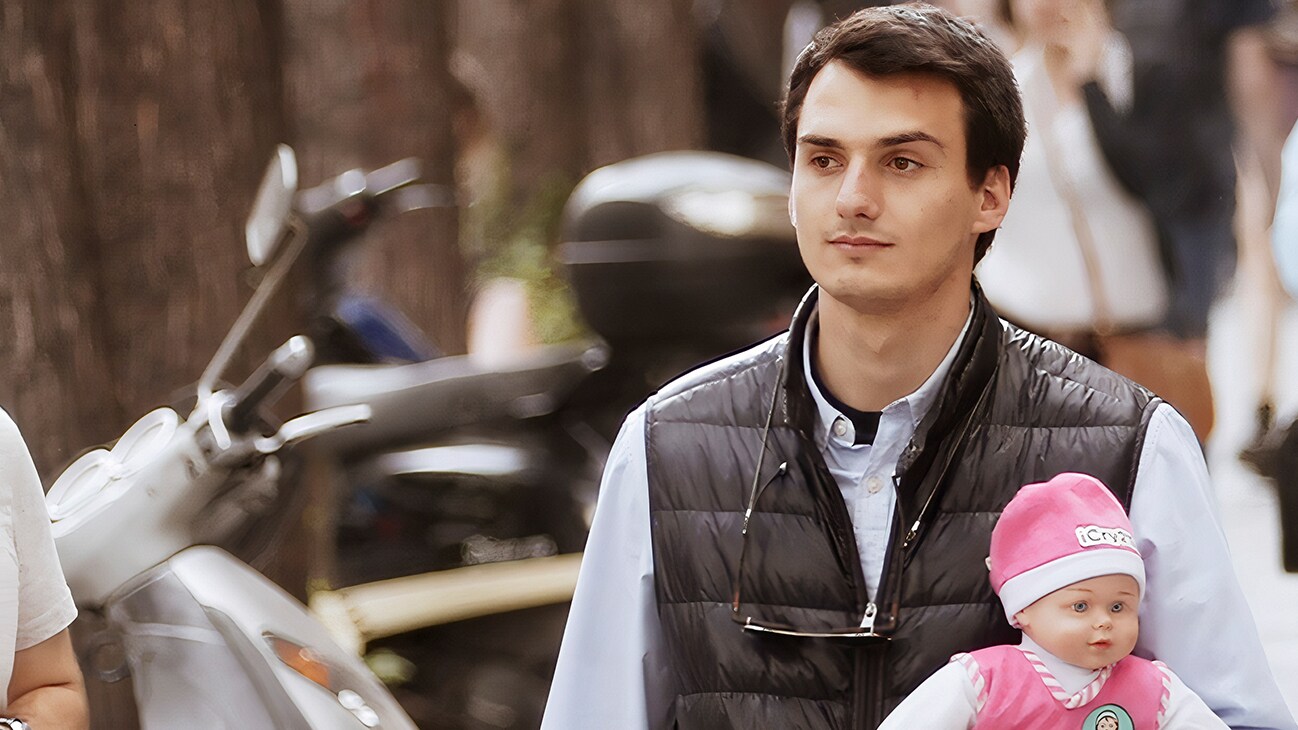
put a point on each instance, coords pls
(505, 239)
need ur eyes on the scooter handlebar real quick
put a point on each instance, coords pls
(267, 383)
(355, 193)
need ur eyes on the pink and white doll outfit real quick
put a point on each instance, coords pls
(1052, 535)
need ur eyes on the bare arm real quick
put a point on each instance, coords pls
(47, 690)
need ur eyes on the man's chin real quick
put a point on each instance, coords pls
(866, 297)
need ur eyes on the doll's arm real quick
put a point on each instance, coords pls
(1185, 710)
(945, 701)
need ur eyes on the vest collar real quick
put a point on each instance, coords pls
(970, 375)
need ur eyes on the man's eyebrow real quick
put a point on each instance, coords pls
(908, 137)
(817, 140)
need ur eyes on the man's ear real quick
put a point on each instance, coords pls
(994, 199)
(793, 217)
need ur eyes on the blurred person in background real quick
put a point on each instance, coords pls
(37, 663)
(1200, 74)
(1077, 256)
(793, 536)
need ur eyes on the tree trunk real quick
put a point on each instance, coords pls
(643, 91)
(369, 84)
(132, 137)
(51, 318)
(133, 140)
(564, 86)
(178, 106)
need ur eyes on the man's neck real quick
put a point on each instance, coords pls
(870, 360)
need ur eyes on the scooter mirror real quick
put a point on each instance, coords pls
(266, 223)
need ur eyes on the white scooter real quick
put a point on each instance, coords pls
(209, 642)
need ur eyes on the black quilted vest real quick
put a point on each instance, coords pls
(1014, 409)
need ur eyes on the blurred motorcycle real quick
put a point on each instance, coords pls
(465, 497)
(468, 493)
(207, 641)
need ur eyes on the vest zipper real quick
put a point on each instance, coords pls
(874, 657)
(864, 674)
(903, 547)
(911, 538)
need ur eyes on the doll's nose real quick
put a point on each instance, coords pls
(1103, 622)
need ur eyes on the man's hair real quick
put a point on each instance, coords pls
(919, 38)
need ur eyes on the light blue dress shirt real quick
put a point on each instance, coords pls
(613, 673)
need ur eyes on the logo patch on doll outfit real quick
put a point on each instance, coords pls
(1109, 717)
(1092, 535)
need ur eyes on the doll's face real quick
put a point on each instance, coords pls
(1090, 624)
(1107, 723)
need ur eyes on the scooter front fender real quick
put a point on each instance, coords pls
(206, 637)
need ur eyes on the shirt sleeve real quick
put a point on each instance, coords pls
(945, 701)
(612, 670)
(1186, 710)
(1194, 616)
(44, 603)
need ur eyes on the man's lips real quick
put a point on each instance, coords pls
(857, 241)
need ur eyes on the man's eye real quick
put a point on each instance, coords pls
(822, 162)
(1080, 607)
(904, 164)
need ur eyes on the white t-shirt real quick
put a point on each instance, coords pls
(35, 603)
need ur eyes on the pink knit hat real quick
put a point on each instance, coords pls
(1057, 533)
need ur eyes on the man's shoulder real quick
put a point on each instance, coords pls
(743, 371)
(1049, 372)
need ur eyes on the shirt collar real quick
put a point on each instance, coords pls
(913, 406)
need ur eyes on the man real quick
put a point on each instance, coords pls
(45, 687)
(795, 536)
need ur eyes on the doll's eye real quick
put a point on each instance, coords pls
(1117, 607)
(1080, 607)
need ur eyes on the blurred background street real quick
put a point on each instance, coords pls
(598, 201)
(1248, 502)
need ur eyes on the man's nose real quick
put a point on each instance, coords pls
(858, 196)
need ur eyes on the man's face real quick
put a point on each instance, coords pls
(885, 213)
(1090, 624)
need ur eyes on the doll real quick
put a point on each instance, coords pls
(1067, 570)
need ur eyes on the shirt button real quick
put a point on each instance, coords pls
(874, 484)
(840, 427)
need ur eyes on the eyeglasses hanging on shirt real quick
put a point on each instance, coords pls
(864, 631)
